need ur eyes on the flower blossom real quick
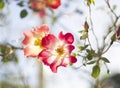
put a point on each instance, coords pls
(32, 40)
(57, 51)
(41, 5)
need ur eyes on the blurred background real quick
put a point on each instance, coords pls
(17, 71)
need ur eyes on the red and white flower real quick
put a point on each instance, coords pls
(33, 39)
(57, 51)
(54, 4)
(40, 5)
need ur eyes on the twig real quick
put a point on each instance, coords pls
(91, 22)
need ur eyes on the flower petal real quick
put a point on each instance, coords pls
(55, 65)
(70, 48)
(45, 57)
(49, 41)
(28, 34)
(43, 30)
(64, 62)
(53, 3)
(72, 59)
(31, 51)
(68, 37)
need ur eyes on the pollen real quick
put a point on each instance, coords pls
(60, 51)
(38, 43)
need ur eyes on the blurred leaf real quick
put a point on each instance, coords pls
(89, 2)
(84, 35)
(1, 4)
(10, 57)
(91, 62)
(95, 71)
(90, 54)
(74, 54)
(105, 59)
(23, 13)
(8, 54)
(4, 49)
(82, 47)
(113, 38)
(20, 4)
(114, 7)
(54, 19)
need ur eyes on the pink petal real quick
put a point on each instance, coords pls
(28, 34)
(69, 38)
(55, 65)
(43, 29)
(53, 3)
(42, 13)
(65, 62)
(44, 56)
(61, 36)
(31, 51)
(49, 41)
(70, 48)
(72, 59)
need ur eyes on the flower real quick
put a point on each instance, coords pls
(54, 4)
(32, 40)
(57, 51)
(40, 5)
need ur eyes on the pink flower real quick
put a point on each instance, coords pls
(57, 51)
(40, 5)
(32, 40)
(54, 4)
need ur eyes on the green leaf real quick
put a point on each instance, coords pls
(90, 54)
(84, 35)
(54, 19)
(23, 13)
(91, 62)
(1, 5)
(92, 1)
(20, 4)
(105, 59)
(81, 48)
(89, 2)
(95, 71)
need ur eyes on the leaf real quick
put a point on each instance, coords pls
(92, 1)
(90, 54)
(54, 19)
(23, 13)
(95, 71)
(91, 62)
(1, 4)
(81, 48)
(105, 59)
(84, 35)
(20, 4)
(89, 2)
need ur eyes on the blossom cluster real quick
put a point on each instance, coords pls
(51, 50)
(41, 5)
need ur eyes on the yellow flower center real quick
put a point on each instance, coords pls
(38, 43)
(60, 51)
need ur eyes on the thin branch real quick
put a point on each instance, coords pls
(91, 22)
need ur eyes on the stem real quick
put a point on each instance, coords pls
(41, 76)
(89, 43)
(92, 27)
